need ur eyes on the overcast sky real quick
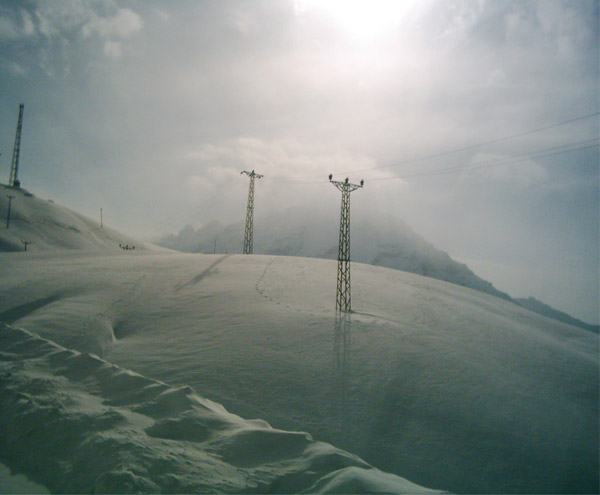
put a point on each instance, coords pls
(476, 122)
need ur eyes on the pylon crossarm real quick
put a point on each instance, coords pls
(345, 186)
(252, 174)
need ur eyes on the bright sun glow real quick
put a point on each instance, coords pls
(361, 19)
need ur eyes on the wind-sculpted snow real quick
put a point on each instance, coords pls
(78, 424)
(445, 386)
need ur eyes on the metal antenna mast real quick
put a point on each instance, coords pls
(13, 180)
(343, 296)
(249, 232)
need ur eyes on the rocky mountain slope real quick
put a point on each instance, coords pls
(382, 241)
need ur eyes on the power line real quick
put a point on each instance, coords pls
(291, 180)
(169, 219)
(495, 163)
(477, 145)
(540, 153)
(546, 152)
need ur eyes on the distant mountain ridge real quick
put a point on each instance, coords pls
(388, 242)
(385, 241)
(543, 309)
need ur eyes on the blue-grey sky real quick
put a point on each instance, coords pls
(150, 109)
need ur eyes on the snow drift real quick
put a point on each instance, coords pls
(442, 385)
(82, 425)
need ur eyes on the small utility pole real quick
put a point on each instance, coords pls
(10, 198)
(100, 217)
(249, 231)
(343, 296)
(25, 243)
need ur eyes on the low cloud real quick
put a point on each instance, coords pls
(286, 159)
(113, 49)
(16, 25)
(503, 170)
(123, 24)
(66, 24)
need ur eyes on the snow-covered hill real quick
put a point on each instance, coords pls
(113, 365)
(45, 225)
(381, 241)
(543, 309)
(447, 387)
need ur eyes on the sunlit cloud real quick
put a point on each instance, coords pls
(300, 89)
(363, 21)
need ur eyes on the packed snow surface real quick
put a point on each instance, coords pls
(131, 370)
(448, 387)
(82, 425)
(17, 483)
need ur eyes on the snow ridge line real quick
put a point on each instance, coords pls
(76, 423)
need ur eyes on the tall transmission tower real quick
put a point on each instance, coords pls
(343, 300)
(249, 231)
(13, 179)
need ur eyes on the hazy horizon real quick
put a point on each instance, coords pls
(476, 123)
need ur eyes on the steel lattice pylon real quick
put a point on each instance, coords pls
(343, 300)
(13, 179)
(249, 231)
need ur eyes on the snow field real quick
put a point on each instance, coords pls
(443, 385)
(17, 483)
(79, 424)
